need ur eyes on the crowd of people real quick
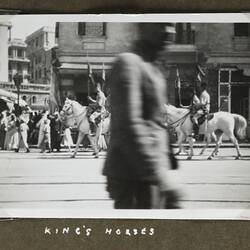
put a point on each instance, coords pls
(45, 130)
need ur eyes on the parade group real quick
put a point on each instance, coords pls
(48, 132)
(21, 127)
(33, 128)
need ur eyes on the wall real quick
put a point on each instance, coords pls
(118, 37)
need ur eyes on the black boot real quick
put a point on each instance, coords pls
(92, 129)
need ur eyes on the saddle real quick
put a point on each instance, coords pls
(207, 117)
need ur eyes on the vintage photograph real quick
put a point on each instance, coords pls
(102, 114)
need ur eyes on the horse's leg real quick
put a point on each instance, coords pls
(216, 139)
(180, 140)
(79, 140)
(206, 141)
(218, 144)
(191, 143)
(235, 142)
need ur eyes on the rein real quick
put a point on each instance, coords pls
(178, 122)
(72, 116)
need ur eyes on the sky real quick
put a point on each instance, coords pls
(22, 26)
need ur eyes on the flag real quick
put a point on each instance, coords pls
(200, 70)
(103, 73)
(54, 96)
(200, 73)
(89, 70)
(178, 79)
(199, 77)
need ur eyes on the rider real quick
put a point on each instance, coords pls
(98, 107)
(195, 101)
(205, 101)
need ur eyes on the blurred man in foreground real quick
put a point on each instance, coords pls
(137, 162)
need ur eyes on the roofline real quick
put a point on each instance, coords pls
(37, 32)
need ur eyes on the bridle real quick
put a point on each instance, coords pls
(68, 116)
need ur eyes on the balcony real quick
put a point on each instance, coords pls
(26, 87)
(18, 58)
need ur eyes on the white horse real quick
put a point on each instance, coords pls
(228, 124)
(221, 123)
(74, 113)
(179, 118)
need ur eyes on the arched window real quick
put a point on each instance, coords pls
(33, 99)
(24, 98)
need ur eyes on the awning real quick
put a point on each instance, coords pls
(11, 97)
(81, 68)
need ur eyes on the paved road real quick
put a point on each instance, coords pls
(55, 180)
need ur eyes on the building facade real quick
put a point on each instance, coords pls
(219, 50)
(93, 44)
(39, 45)
(226, 47)
(18, 62)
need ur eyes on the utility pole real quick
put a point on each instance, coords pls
(18, 80)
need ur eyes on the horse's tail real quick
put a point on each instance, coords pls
(240, 126)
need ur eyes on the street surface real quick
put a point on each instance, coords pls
(55, 180)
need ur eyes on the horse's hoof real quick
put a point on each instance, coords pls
(73, 156)
(237, 157)
(189, 158)
(209, 158)
(178, 153)
(96, 156)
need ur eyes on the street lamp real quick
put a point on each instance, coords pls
(18, 80)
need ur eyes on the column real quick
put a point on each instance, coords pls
(4, 59)
(248, 120)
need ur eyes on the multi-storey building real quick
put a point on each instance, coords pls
(39, 45)
(96, 44)
(18, 62)
(226, 49)
(220, 50)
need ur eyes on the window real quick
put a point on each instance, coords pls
(36, 42)
(241, 29)
(19, 67)
(224, 76)
(24, 97)
(57, 30)
(92, 29)
(39, 73)
(10, 52)
(19, 53)
(33, 99)
(81, 29)
(47, 38)
(185, 33)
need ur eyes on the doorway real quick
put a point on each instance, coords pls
(239, 100)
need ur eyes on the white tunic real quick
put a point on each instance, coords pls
(205, 99)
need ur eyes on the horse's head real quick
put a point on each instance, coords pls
(67, 107)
